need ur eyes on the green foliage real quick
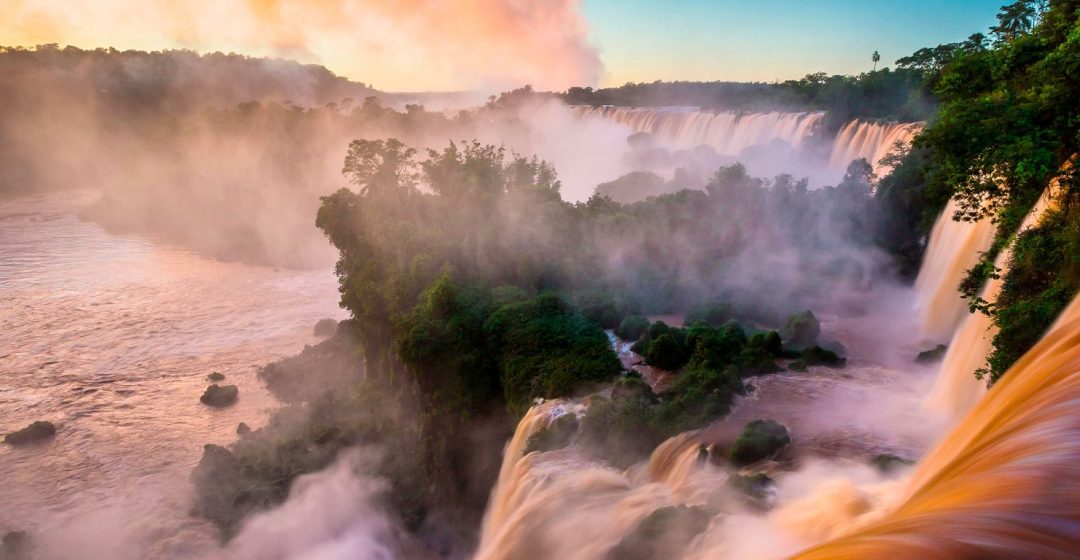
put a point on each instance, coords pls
(713, 315)
(546, 350)
(759, 440)
(632, 327)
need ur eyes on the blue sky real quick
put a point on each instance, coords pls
(768, 40)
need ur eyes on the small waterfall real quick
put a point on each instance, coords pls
(956, 388)
(1003, 483)
(727, 131)
(954, 248)
(568, 508)
(870, 140)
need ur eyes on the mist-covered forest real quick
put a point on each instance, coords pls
(533, 296)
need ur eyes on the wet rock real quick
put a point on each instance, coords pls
(887, 462)
(818, 356)
(802, 330)
(555, 436)
(220, 395)
(16, 544)
(797, 365)
(665, 533)
(216, 376)
(932, 356)
(326, 327)
(760, 439)
(243, 429)
(755, 488)
(37, 431)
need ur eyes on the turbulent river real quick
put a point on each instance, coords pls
(112, 338)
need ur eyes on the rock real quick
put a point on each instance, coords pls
(219, 396)
(759, 440)
(797, 365)
(768, 341)
(802, 330)
(216, 376)
(16, 544)
(887, 462)
(555, 436)
(756, 488)
(326, 327)
(932, 356)
(243, 429)
(818, 356)
(37, 431)
(665, 533)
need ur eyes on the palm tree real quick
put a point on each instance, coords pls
(1016, 19)
(876, 58)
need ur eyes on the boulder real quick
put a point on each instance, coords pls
(555, 436)
(326, 327)
(37, 431)
(818, 356)
(16, 544)
(220, 395)
(216, 376)
(756, 488)
(887, 462)
(665, 533)
(802, 330)
(760, 439)
(243, 429)
(932, 356)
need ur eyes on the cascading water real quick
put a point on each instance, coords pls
(731, 132)
(870, 140)
(727, 131)
(957, 389)
(953, 249)
(1003, 484)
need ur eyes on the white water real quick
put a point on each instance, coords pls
(745, 135)
(112, 339)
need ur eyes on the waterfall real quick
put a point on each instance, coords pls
(727, 131)
(870, 140)
(956, 388)
(568, 508)
(731, 132)
(1003, 483)
(953, 249)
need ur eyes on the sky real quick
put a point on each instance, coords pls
(769, 40)
(490, 45)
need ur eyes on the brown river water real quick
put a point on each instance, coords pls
(111, 338)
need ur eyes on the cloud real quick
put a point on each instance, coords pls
(394, 44)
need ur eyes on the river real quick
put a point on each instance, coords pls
(112, 338)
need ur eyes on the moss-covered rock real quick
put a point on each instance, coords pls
(37, 431)
(220, 395)
(818, 356)
(760, 439)
(769, 341)
(216, 376)
(802, 330)
(797, 365)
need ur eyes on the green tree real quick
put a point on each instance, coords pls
(876, 58)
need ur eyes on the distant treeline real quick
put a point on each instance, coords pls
(899, 94)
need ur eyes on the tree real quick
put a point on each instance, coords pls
(1016, 19)
(876, 58)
